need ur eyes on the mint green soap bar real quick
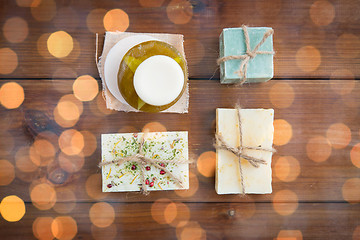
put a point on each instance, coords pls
(232, 42)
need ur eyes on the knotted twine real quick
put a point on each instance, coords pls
(250, 54)
(239, 151)
(143, 161)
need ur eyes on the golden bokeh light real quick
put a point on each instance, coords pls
(194, 183)
(69, 112)
(42, 228)
(282, 132)
(206, 163)
(345, 85)
(41, 45)
(191, 231)
(116, 20)
(94, 20)
(128, 129)
(339, 135)
(9, 61)
(23, 161)
(40, 160)
(170, 213)
(7, 172)
(60, 44)
(179, 11)
(351, 190)
(345, 45)
(107, 233)
(355, 155)
(308, 58)
(28, 3)
(289, 235)
(15, 29)
(182, 216)
(64, 227)
(11, 95)
(102, 214)
(71, 142)
(152, 3)
(85, 88)
(44, 11)
(318, 149)
(285, 202)
(287, 168)
(90, 143)
(158, 209)
(71, 164)
(65, 200)
(356, 233)
(74, 54)
(43, 196)
(93, 187)
(154, 127)
(12, 208)
(44, 148)
(322, 13)
(281, 95)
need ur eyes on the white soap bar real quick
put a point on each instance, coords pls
(158, 145)
(158, 80)
(257, 131)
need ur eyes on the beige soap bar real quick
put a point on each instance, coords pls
(257, 131)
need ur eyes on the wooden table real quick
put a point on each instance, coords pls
(46, 45)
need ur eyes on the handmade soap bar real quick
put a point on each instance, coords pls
(257, 131)
(157, 145)
(232, 43)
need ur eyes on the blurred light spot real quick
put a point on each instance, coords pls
(11, 95)
(68, 111)
(43, 196)
(65, 200)
(194, 183)
(356, 234)
(23, 162)
(152, 3)
(67, 19)
(42, 45)
(182, 215)
(9, 61)
(154, 127)
(37, 158)
(179, 11)
(170, 213)
(322, 13)
(6, 143)
(44, 148)
(343, 86)
(44, 11)
(281, 95)
(12, 208)
(351, 190)
(7, 172)
(197, 50)
(267, 8)
(15, 29)
(318, 149)
(355, 155)
(94, 20)
(60, 44)
(71, 142)
(28, 3)
(116, 20)
(107, 233)
(102, 214)
(308, 58)
(191, 231)
(289, 235)
(127, 129)
(42, 228)
(90, 143)
(285, 202)
(339, 135)
(93, 187)
(345, 45)
(71, 164)
(206, 164)
(282, 132)
(287, 168)
(64, 227)
(85, 88)
(158, 210)
(74, 54)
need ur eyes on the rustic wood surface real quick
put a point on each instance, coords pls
(315, 95)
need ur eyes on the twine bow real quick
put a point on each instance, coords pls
(250, 54)
(143, 161)
(239, 151)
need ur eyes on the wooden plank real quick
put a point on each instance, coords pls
(312, 40)
(317, 170)
(204, 220)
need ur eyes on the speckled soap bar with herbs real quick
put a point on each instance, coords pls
(158, 145)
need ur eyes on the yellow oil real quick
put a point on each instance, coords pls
(132, 59)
